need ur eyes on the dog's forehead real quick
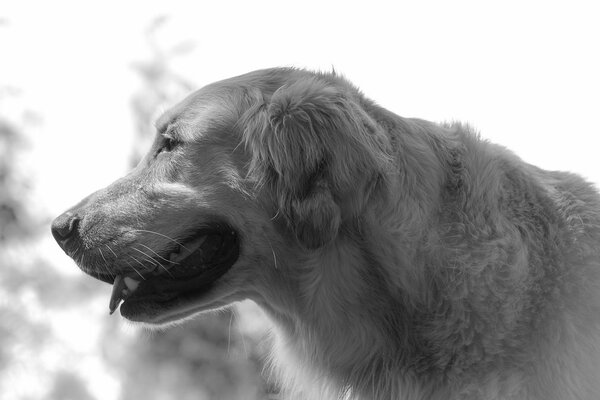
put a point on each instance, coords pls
(201, 112)
(220, 104)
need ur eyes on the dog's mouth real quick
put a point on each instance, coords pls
(190, 268)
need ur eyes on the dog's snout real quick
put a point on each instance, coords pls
(64, 227)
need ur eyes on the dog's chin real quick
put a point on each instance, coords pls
(189, 286)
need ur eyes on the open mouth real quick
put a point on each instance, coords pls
(190, 268)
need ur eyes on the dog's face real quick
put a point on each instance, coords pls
(174, 235)
(239, 186)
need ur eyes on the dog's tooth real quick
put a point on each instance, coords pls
(131, 284)
(119, 290)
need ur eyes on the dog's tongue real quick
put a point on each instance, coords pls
(122, 288)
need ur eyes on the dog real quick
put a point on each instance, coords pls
(397, 258)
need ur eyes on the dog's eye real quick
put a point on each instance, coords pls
(168, 143)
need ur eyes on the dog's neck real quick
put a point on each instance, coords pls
(317, 338)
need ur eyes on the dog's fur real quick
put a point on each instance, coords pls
(397, 258)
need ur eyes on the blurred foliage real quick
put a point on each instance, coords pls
(13, 215)
(202, 359)
(26, 278)
(69, 386)
(14, 224)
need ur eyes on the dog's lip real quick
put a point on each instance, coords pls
(191, 274)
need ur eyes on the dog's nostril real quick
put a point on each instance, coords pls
(64, 226)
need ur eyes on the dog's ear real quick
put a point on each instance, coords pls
(319, 151)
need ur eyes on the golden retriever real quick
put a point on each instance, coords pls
(397, 258)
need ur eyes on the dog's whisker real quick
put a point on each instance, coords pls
(166, 270)
(273, 252)
(102, 255)
(229, 333)
(111, 250)
(236, 147)
(139, 262)
(234, 312)
(158, 255)
(76, 256)
(152, 260)
(160, 234)
(155, 262)
(107, 270)
(106, 263)
(135, 269)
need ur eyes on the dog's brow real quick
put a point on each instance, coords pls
(163, 122)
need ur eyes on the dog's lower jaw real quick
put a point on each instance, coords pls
(157, 316)
(221, 294)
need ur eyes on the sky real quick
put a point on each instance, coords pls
(524, 74)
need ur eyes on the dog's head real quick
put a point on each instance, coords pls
(246, 177)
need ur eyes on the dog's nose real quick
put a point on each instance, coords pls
(64, 227)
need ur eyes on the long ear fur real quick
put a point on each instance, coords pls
(315, 147)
